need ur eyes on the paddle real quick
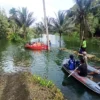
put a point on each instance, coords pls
(72, 72)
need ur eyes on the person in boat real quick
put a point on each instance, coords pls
(38, 44)
(85, 57)
(71, 63)
(80, 51)
(83, 46)
(49, 43)
(82, 68)
(30, 43)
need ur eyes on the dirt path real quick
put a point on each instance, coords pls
(19, 86)
(14, 88)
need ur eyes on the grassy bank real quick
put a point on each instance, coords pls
(24, 86)
(73, 42)
(75, 39)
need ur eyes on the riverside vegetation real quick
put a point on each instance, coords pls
(24, 86)
(82, 20)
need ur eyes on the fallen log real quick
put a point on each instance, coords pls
(90, 56)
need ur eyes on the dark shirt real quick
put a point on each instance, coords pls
(83, 70)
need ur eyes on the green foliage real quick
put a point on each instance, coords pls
(30, 33)
(14, 37)
(23, 18)
(95, 41)
(13, 27)
(93, 24)
(72, 38)
(39, 29)
(13, 11)
(75, 34)
(43, 82)
(40, 84)
(62, 24)
(84, 12)
(3, 24)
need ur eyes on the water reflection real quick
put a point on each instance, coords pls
(13, 59)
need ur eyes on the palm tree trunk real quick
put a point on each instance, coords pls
(80, 30)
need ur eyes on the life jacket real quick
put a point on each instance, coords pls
(71, 64)
(84, 44)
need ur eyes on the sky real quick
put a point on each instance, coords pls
(36, 6)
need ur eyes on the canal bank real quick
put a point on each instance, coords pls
(24, 86)
(47, 65)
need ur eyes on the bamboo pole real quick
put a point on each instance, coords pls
(46, 25)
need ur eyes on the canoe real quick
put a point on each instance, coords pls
(92, 85)
(36, 46)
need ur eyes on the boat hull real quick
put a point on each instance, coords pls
(84, 80)
(36, 46)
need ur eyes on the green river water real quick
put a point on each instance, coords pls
(47, 64)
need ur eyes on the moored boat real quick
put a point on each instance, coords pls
(36, 46)
(92, 85)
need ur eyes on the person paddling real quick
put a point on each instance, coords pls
(82, 69)
(85, 57)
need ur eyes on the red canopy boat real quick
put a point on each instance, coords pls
(36, 46)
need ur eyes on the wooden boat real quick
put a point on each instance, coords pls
(92, 85)
(36, 46)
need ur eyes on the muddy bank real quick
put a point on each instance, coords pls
(23, 86)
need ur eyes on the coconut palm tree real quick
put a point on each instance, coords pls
(39, 29)
(23, 18)
(13, 11)
(13, 27)
(61, 24)
(84, 7)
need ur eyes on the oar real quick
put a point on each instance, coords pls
(73, 72)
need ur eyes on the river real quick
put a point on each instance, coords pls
(47, 64)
